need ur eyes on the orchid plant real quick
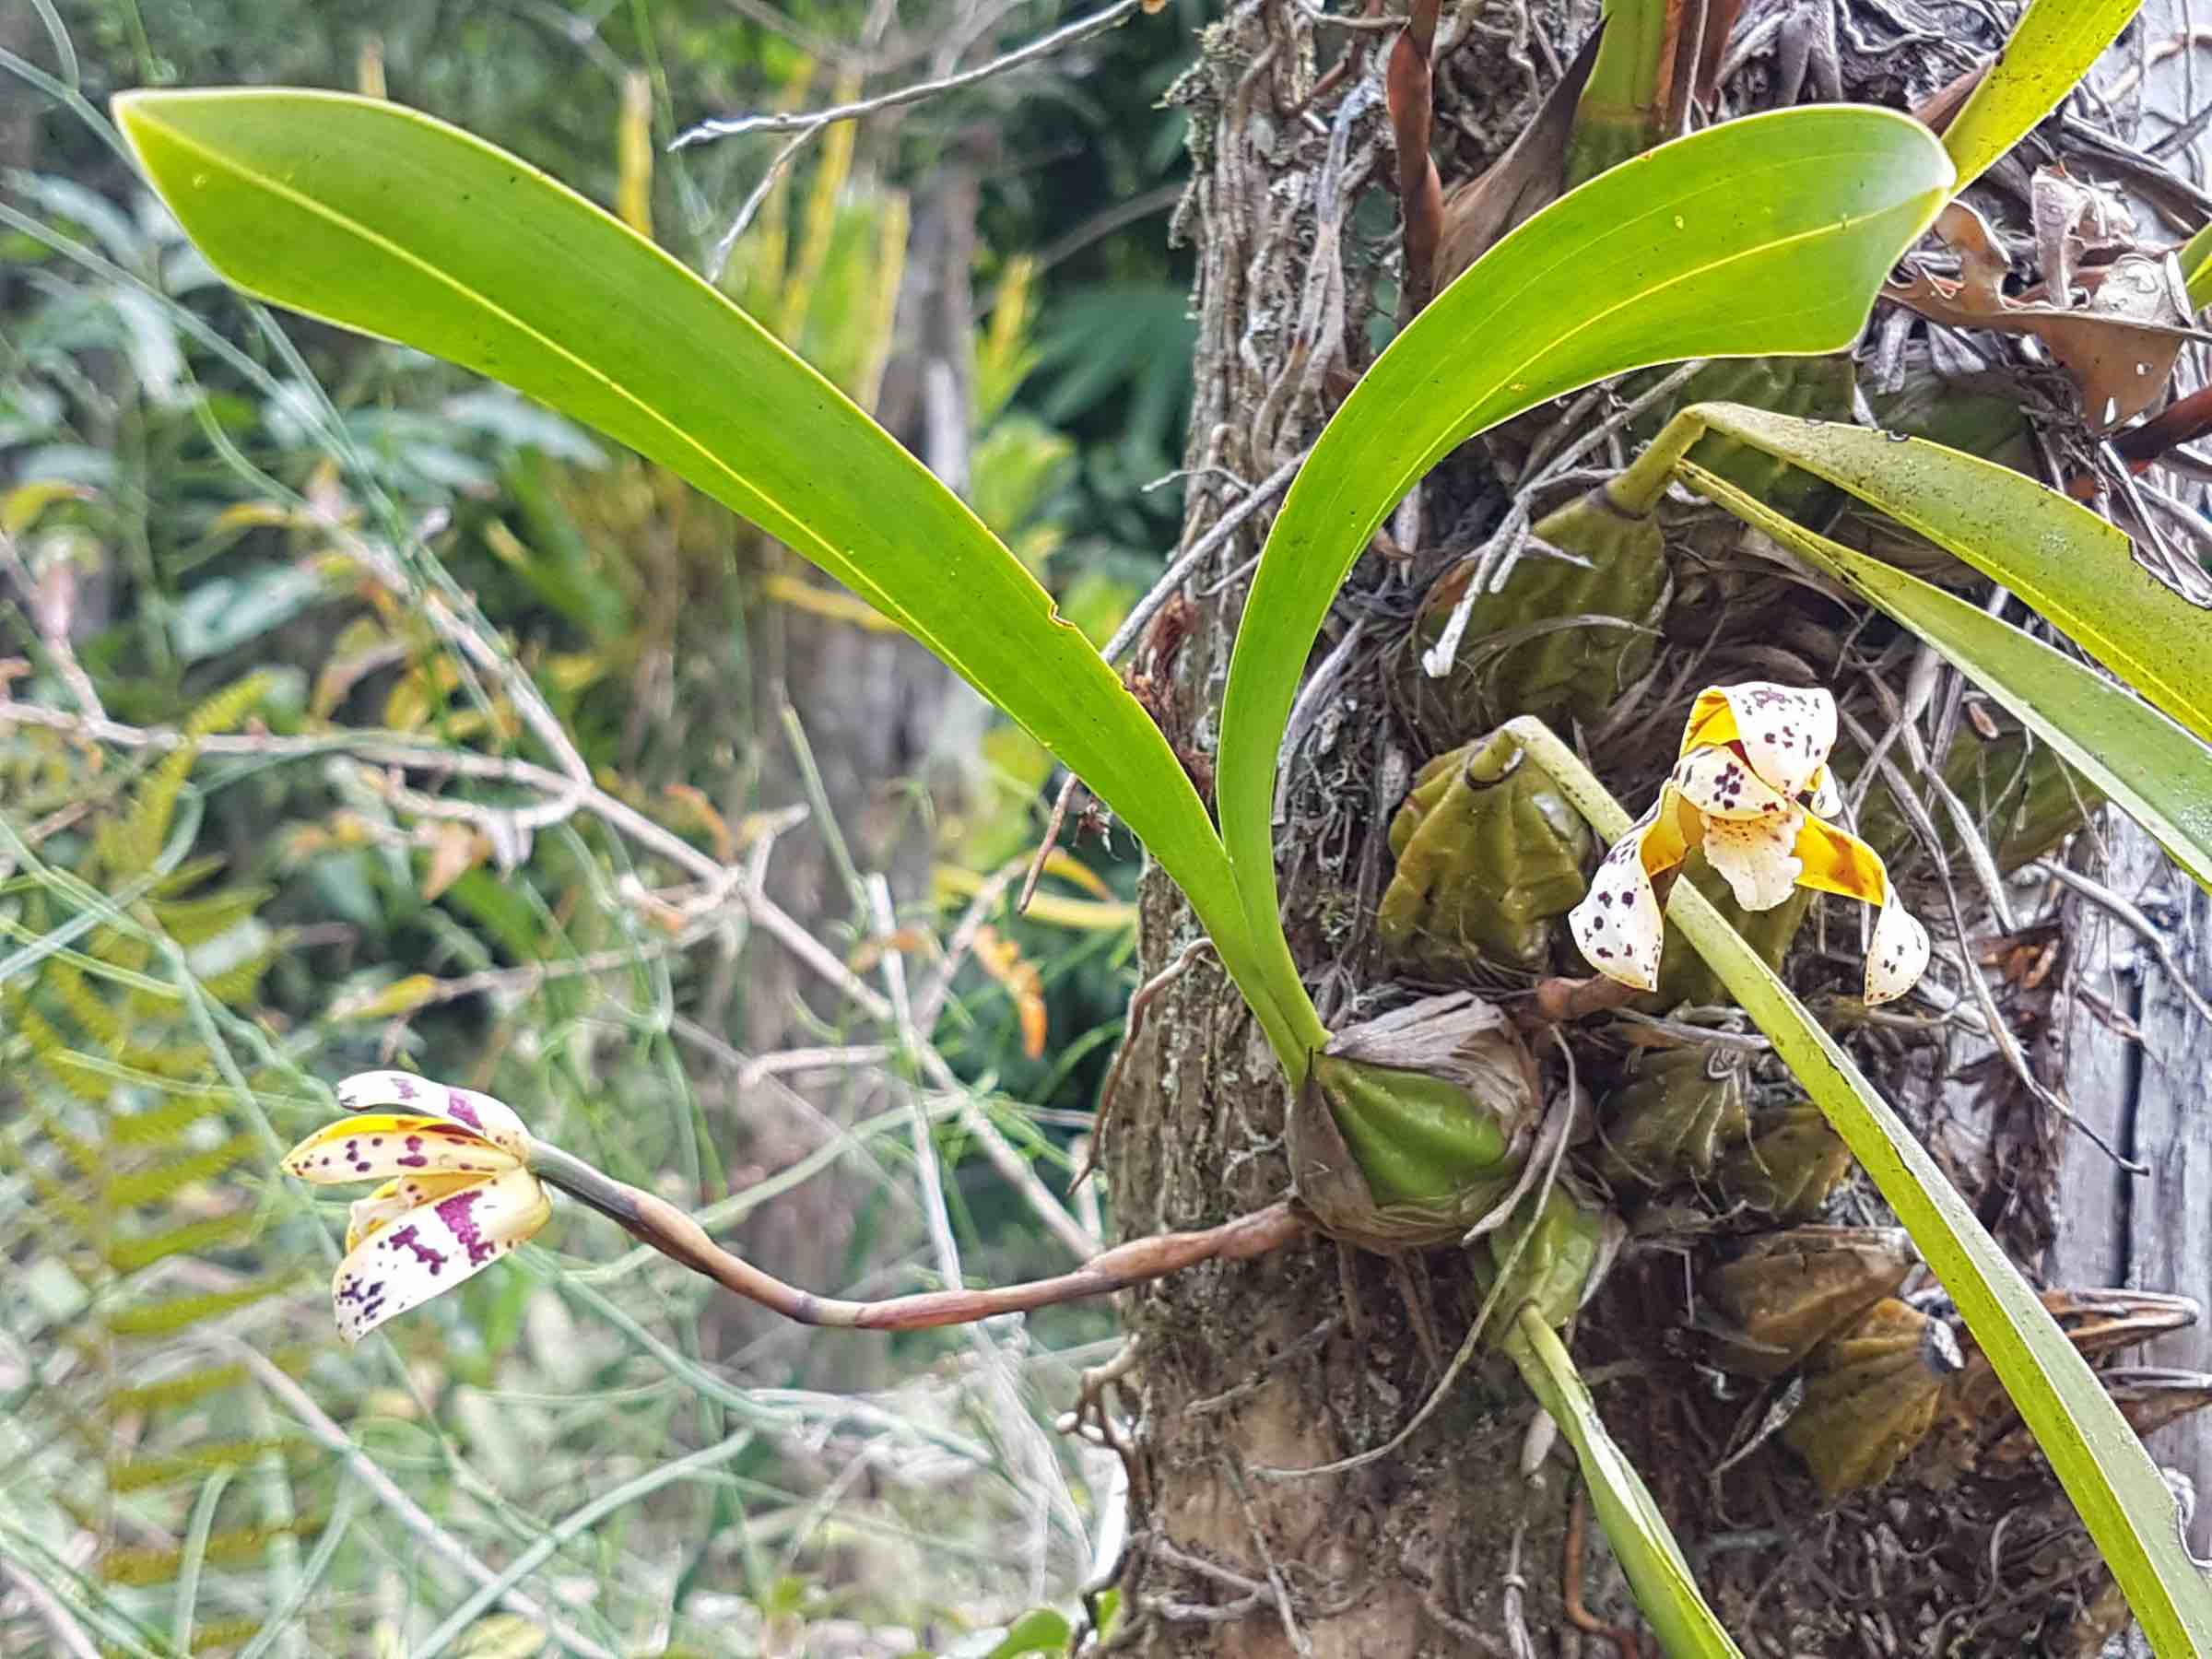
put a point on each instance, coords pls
(1778, 232)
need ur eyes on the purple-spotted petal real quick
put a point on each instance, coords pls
(403, 1091)
(1719, 783)
(395, 1198)
(1785, 731)
(410, 1257)
(1618, 927)
(1898, 954)
(384, 1145)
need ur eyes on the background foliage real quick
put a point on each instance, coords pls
(322, 560)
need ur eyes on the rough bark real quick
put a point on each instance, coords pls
(1240, 1372)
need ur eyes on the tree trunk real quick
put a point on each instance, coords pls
(1246, 1376)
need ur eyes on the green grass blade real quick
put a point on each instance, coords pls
(382, 220)
(2158, 773)
(2128, 1509)
(1666, 1589)
(1762, 236)
(2075, 567)
(2053, 47)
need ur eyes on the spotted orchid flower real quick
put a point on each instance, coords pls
(457, 1191)
(1752, 787)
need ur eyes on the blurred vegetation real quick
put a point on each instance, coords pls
(281, 548)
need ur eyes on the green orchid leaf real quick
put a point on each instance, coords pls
(2195, 255)
(2052, 48)
(364, 214)
(2065, 561)
(1765, 236)
(1658, 1574)
(2127, 1505)
(2128, 1508)
(2155, 772)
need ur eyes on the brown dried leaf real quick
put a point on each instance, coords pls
(2119, 347)
(1525, 179)
(456, 849)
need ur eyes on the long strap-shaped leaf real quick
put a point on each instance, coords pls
(2050, 48)
(2068, 563)
(2159, 774)
(1665, 1588)
(384, 221)
(2130, 1512)
(1764, 236)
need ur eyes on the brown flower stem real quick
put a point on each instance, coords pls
(675, 1235)
(1557, 1000)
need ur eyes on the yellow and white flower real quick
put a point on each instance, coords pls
(1751, 786)
(457, 1191)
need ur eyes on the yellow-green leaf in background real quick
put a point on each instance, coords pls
(2065, 561)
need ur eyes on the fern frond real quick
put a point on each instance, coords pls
(239, 984)
(195, 920)
(139, 1473)
(228, 706)
(129, 1255)
(161, 1125)
(224, 1635)
(99, 1021)
(55, 1201)
(158, 1181)
(187, 876)
(148, 1564)
(172, 1393)
(126, 847)
(163, 1318)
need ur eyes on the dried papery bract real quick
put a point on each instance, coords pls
(1780, 1296)
(1414, 1125)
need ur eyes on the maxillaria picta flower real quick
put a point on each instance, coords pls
(457, 1192)
(464, 1184)
(1751, 786)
